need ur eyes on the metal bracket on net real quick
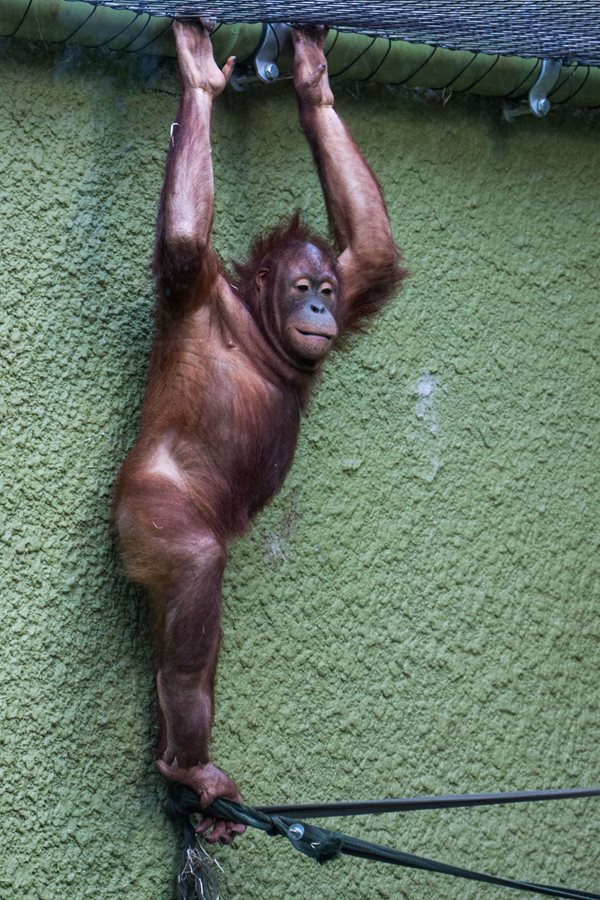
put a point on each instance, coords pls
(264, 65)
(537, 101)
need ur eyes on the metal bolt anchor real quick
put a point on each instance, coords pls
(537, 100)
(263, 67)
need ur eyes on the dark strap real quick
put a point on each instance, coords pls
(323, 844)
(407, 804)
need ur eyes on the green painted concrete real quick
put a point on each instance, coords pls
(417, 612)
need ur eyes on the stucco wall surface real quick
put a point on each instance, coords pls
(417, 612)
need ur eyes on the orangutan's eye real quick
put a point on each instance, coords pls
(302, 286)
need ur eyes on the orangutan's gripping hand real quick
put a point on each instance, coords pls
(197, 64)
(311, 80)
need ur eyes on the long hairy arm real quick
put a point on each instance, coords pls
(369, 259)
(185, 263)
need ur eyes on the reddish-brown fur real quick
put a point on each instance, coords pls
(230, 375)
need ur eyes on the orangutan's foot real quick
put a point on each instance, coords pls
(209, 783)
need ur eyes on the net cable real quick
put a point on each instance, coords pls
(561, 30)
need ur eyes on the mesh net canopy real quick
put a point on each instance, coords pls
(554, 29)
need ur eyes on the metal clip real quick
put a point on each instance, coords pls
(537, 99)
(264, 65)
(296, 831)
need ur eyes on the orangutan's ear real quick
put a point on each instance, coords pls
(261, 276)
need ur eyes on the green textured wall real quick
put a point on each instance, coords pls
(417, 611)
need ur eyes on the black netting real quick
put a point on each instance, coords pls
(563, 29)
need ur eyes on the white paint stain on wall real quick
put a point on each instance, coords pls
(427, 412)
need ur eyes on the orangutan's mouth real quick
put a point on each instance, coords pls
(315, 334)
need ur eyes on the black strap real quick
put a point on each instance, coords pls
(408, 804)
(323, 844)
